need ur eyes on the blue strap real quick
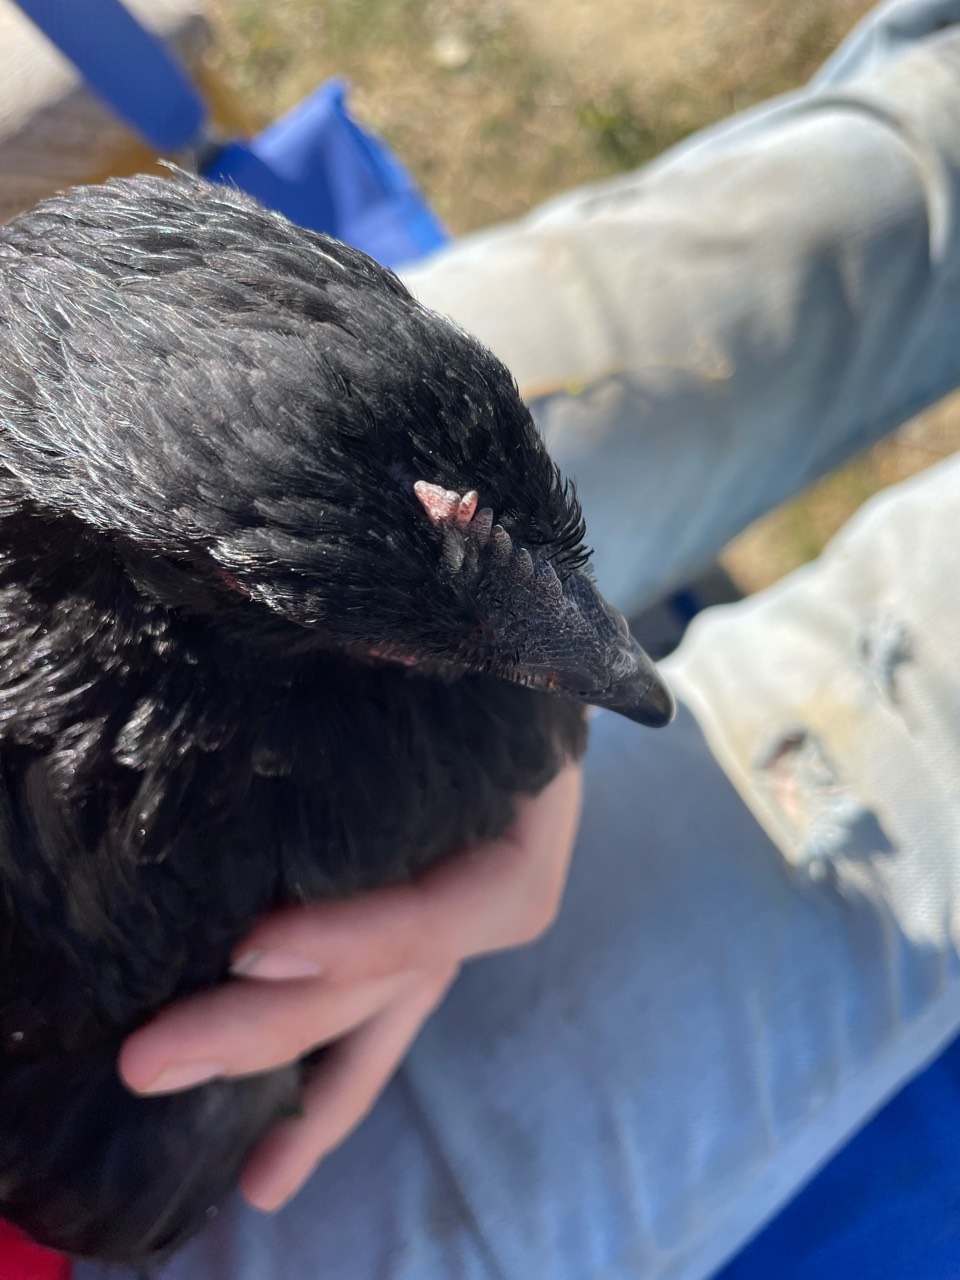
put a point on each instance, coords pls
(126, 65)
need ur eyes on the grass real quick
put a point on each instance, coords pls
(498, 104)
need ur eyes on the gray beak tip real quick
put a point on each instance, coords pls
(655, 708)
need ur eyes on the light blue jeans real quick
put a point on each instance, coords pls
(760, 936)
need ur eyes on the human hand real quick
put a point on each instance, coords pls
(365, 974)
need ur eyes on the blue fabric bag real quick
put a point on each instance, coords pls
(316, 164)
(886, 1207)
(320, 168)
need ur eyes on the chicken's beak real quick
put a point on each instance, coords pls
(596, 660)
(566, 639)
(642, 695)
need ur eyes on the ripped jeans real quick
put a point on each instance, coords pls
(760, 936)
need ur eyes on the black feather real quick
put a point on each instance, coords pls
(210, 424)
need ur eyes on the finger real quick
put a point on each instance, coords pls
(246, 1027)
(508, 892)
(495, 895)
(367, 937)
(339, 1095)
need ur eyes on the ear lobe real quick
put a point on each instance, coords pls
(232, 584)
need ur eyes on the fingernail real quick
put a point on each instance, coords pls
(183, 1075)
(275, 1200)
(276, 966)
(273, 1203)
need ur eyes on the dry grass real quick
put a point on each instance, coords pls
(498, 104)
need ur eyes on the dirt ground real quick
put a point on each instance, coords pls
(498, 104)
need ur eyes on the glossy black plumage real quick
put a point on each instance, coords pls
(238, 663)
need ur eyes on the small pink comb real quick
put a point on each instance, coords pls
(445, 506)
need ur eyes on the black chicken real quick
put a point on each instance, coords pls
(292, 601)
